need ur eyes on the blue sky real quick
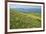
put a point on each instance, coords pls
(23, 6)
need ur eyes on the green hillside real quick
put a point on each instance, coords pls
(23, 20)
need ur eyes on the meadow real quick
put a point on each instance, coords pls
(20, 20)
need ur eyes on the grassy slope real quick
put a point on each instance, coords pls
(19, 20)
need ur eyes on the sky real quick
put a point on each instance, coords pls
(23, 6)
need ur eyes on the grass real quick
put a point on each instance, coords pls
(24, 20)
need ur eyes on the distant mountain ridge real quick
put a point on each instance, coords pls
(27, 10)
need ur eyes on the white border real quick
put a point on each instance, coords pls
(30, 29)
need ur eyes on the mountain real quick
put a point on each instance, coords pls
(29, 9)
(25, 8)
(35, 10)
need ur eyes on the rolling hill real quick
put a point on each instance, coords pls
(19, 19)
